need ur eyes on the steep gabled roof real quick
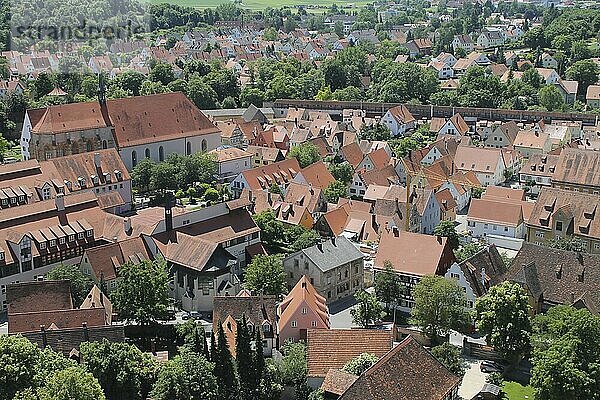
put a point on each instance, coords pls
(303, 293)
(406, 372)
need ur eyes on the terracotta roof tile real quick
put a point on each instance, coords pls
(333, 348)
(406, 372)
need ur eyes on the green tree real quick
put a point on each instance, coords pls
(293, 366)
(306, 153)
(142, 174)
(150, 87)
(334, 191)
(551, 98)
(439, 307)
(467, 251)
(368, 309)
(503, 315)
(375, 132)
(227, 381)
(342, 172)
(245, 362)
(565, 354)
(571, 243)
(18, 359)
(585, 72)
(360, 363)
(81, 284)
(124, 372)
(306, 239)
(250, 95)
(387, 285)
(271, 230)
(447, 229)
(191, 334)
(162, 72)
(266, 275)
(275, 189)
(142, 291)
(479, 89)
(449, 355)
(73, 383)
(349, 93)
(42, 86)
(188, 376)
(201, 94)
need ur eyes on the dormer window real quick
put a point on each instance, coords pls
(42, 245)
(1, 255)
(80, 235)
(88, 233)
(71, 238)
(52, 242)
(62, 240)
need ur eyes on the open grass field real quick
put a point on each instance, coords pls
(516, 391)
(261, 4)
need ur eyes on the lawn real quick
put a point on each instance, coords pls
(516, 391)
(261, 4)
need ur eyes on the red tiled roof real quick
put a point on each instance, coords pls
(333, 348)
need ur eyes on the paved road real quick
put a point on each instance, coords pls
(473, 380)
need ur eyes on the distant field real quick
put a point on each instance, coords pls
(260, 4)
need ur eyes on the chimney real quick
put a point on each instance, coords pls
(59, 200)
(333, 240)
(97, 160)
(44, 338)
(320, 246)
(168, 214)
(127, 225)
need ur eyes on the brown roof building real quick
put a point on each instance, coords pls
(406, 372)
(141, 124)
(559, 213)
(332, 348)
(413, 256)
(260, 313)
(101, 172)
(578, 170)
(34, 306)
(552, 276)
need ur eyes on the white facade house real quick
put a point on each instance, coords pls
(456, 274)
(548, 61)
(231, 161)
(498, 217)
(487, 164)
(431, 214)
(399, 120)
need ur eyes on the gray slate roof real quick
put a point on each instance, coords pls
(332, 253)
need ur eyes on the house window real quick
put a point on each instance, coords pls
(304, 310)
(506, 229)
(559, 226)
(204, 145)
(104, 144)
(71, 238)
(539, 234)
(42, 245)
(188, 148)
(134, 158)
(596, 246)
(147, 153)
(293, 324)
(266, 328)
(62, 240)
(454, 276)
(88, 233)
(53, 243)
(80, 235)
(161, 153)
(313, 324)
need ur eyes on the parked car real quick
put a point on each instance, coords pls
(491, 366)
(195, 315)
(185, 316)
